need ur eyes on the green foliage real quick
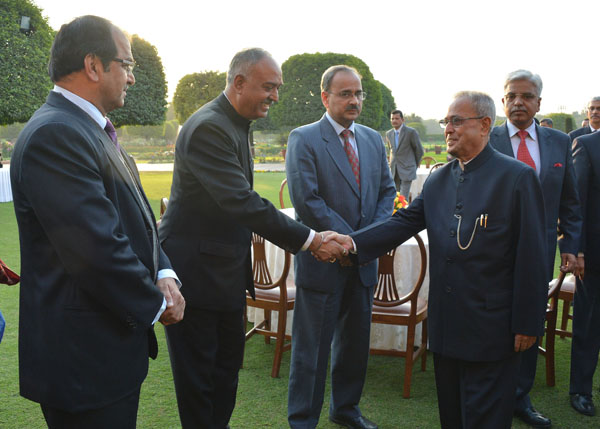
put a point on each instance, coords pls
(171, 131)
(146, 101)
(148, 132)
(194, 90)
(412, 117)
(24, 81)
(420, 129)
(560, 121)
(11, 132)
(300, 96)
(387, 106)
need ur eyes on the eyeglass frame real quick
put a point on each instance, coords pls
(127, 65)
(444, 122)
(360, 94)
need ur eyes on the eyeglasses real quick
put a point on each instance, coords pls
(126, 64)
(456, 121)
(361, 95)
(527, 96)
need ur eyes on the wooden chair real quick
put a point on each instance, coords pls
(436, 166)
(278, 295)
(566, 294)
(409, 310)
(428, 161)
(281, 188)
(164, 201)
(551, 315)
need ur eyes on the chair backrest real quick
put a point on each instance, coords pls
(260, 268)
(386, 294)
(164, 201)
(428, 161)
(281, 188)
(436, 166)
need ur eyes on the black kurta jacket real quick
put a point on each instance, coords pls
(479, 298)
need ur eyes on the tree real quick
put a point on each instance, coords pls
(194, 90)
(146, 101)
(24, 81)
(562, 121)
(300, 96)
(387, 106)
(420, 129)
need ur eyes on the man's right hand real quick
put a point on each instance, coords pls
(326, 250)
(175, 301)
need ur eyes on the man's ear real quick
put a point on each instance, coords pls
(238, 83)
(486, 124)
(93, 67)
(325, 99)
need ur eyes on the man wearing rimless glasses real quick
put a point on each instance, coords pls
(548, 152)
(486, 300)
(94, 278)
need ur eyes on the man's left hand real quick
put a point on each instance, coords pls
(523, 342)
(568, 262)
(175, 301)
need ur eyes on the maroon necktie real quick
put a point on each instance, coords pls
(523, 154)
(112, 133)
(352, 158)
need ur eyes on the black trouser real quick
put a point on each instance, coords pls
(476, 395)
(118, 415)
(206, 349)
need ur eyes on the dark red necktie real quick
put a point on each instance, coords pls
(523, 154)
(352, 158)
(112, 133)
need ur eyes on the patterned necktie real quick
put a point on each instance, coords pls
(523, 154)
(352, 158)
(112, 133)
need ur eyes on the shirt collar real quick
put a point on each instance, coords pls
(399, 129)
(337, 127)
(83, 104)
(512, 130)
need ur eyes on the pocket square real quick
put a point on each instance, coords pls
(558, 164)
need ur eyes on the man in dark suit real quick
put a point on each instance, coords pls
(593, 118)
(586, 304)
(486, 299)
(406, 152)
(94, 279)
(548, 152)
(206, 231)
(339, 180)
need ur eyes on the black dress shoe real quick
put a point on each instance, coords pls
(354, 423)
(583, 404)
(533, 418)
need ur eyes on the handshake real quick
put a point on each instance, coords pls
(329, 246)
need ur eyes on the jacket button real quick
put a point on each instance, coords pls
(461, 179)
(452, 233)
(448, 289)
(459, 206)
(449, 260)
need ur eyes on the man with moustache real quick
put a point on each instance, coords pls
(94, 278)
(406, 152)
(486, 300)
(593, 120)
(548, 152)
(207, 230)
(339, 180)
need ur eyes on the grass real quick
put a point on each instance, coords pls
(262, 400)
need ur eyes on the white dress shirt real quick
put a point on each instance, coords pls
(531, 141)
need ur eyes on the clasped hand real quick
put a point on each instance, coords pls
(329, 246)
(175, 301)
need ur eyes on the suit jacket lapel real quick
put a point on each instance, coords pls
(363, 160)
(504, 144)
(129, 178)
(338, 154)
(545, 147)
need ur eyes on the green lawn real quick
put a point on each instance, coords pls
(262, 401)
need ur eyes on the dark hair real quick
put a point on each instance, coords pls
(547, 120)
(397, 112)
(74, 41)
